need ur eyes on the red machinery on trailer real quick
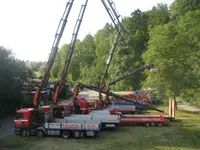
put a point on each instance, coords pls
(130, 120)
(98, 105)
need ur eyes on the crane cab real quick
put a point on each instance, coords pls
(83, 104)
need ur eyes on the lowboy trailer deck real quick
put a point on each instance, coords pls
(142, 120)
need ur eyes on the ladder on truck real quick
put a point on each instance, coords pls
(54, 50)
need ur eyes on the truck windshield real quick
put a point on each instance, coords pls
(19, 115)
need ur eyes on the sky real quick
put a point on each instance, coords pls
(28, 27)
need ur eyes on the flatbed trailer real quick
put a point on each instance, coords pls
(144, 116)
(70, 128)
(146, 121)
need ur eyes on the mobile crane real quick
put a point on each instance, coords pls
(84, 106)
(80, 86)
(32, 118)
(124, 102)
(63, 78)
(54, 50)
(27, 122)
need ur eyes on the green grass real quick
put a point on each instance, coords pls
(182, 134)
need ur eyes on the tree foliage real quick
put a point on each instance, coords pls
(13, 72)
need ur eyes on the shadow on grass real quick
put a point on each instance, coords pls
(189, 112)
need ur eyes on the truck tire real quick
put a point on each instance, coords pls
(159, 124)
(103, 127)
(23, 132)
(65, 134)
(40, 133)
(147, 124)
(83, 134)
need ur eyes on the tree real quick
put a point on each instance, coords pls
(181, 7)
(13, 73)
(173, 48)
(129, 51)
(159, 15)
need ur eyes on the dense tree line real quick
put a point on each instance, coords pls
(165, 36)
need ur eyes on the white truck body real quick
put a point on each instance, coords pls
(74, 126)
(105, 118)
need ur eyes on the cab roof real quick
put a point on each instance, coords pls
(45, 107)
(24, 110)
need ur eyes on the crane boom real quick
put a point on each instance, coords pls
(114, 15)
(70, 52)
(54, 49)
(131, 73)
(110, 58)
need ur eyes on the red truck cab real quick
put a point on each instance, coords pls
(26, 119)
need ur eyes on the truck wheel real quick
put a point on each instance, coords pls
(40, 133)
(65, 134)
(147, 124)
(159, 124)
(83, 134)
(103, 127)
(23, 132)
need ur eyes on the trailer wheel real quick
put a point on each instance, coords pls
(159, 124)
(65, 134)
(83, 134)
(40, 133)
(23, 132)
(147, 124)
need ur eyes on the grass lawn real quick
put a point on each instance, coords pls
(182, 134)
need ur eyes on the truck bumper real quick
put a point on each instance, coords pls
(17, 131)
